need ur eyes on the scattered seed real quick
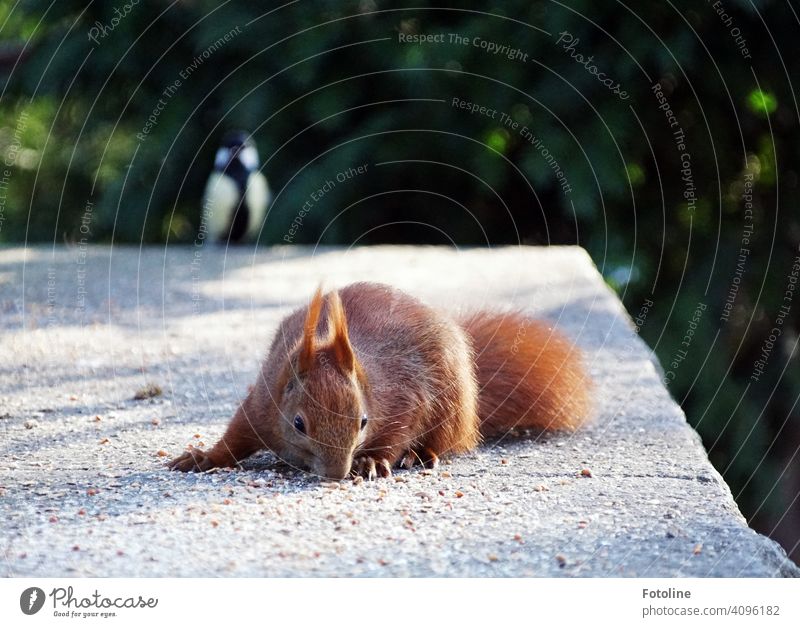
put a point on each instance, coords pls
(162, 453)
(445, 474)
(492, 557)
(698, 548)
(97, 419)
(504, 461)
(76, 548)
(214, 523)
(155, 422)
(31, 424)
(105, 441)
(562, 561)
(586, 472)
(92, 491)
(53, 519)
(459, 494)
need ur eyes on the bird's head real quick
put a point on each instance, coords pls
(237, 147)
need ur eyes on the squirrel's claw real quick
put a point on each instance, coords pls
(193, 460)
(428, 459)
(409, 460)
(384, 468)
(371, 469)
(361, 468)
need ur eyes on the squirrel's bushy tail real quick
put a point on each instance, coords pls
(529, 375)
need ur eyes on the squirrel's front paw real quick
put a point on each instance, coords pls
(371, 468)
(193, 460)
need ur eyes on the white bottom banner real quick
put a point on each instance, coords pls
(402, 602)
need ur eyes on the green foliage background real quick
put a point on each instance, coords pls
(325, 86)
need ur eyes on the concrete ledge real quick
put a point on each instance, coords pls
(83, 491)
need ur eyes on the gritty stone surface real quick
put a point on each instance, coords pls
(84, 491)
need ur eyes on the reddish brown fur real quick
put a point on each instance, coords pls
(376, 351)
(530, 376)
(306, 356)
(340, 343)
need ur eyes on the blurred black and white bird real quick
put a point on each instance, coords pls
(237, 193)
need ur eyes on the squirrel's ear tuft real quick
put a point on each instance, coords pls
(308, 344)
(340, 339)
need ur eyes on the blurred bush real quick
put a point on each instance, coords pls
(327, 86)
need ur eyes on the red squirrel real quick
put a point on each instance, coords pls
(369, 378)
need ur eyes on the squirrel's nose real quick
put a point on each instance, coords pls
(337, 470)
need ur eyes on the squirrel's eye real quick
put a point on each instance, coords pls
(299, 424)
(363, 420)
